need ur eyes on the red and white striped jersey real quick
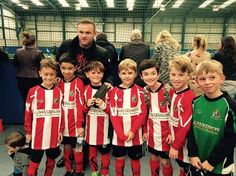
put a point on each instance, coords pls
(44, 117)
(128, 112)
(97, 121)
(72, 105)
(157, 124)
(180, 120)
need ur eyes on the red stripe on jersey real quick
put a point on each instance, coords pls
(38, 139)
(54, 132)
(100, 130)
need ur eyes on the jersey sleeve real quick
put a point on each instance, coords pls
(142, 116)
(29, 112)
(184, 125)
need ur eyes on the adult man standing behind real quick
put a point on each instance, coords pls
(136, 50)
(85, 50)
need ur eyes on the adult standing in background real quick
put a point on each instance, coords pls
(166, 48)
(85, 50)
(227, 57)
(137, 51)
(101, 40)
(27, 61)
(198, 54)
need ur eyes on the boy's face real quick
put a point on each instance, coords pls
(210, 83)
(67, 70)
(179, 79)
(48, 75)
(127, 77)
(95, 76)
(150, 76)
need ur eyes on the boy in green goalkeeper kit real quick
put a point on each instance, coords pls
(212, 137)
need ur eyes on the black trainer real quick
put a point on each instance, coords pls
(61, 162)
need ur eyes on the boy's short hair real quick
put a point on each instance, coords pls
(181, 63)
(127, 63)
(48, 62)
(95, 65)
(15, 139)
(148, 63)
(209, 66)
(68, 58)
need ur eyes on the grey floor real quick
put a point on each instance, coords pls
(6, 164)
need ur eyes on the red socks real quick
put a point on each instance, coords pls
(78, 161)
(155, 167)
(32, 168)
(49, 167)
(167, 170)
(105, 164)
(93, 152)
(181, 172)
(68, 163)
(135, 167)
(120, 163)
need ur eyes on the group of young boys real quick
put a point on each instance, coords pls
(199, 133)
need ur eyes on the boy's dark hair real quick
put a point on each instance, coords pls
(68, 58)
(148, 63)
(48, 62)
(95, 65)
(15, 139)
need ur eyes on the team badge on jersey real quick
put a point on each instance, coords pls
(216, 114)
(134, 99)
(56, 100)
(72, 93)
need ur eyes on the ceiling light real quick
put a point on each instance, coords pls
(63, 3)
(225, 4)
(15, 1)
(157, 3)
(110, 3)
(206, 3)
(83, 3)
(77, 7)
(23, 6)
(37, 2)
(130, 4)
(177, 3)
(162, 8)
(215, 8)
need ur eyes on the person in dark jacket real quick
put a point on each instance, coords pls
(27, 61)
(137, 51)
(227, 57)
(101, 40)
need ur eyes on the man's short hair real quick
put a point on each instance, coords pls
(126, 64)
(209, 66)
(87, 21)
(101, 36)
(136, 34)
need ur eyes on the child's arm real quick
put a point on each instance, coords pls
(226, 144)
(184, 123)
(142, 116)
(29, 115)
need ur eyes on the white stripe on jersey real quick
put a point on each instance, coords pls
(66, 98)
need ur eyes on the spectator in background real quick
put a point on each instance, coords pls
(166, 48)
(137, 51)
(3, 55)
(101, 40)
(27, 61)
(227, 57)
(198, 54)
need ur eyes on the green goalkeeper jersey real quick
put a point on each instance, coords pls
(213, 132)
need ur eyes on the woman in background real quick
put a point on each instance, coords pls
(166, 48)
(27, 61)
(227, 57)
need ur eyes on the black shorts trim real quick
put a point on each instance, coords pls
(162, 154)
(134, 152)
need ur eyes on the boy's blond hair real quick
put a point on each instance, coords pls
(181, 63)
(48, 62)
(209, 66)
(127, 64)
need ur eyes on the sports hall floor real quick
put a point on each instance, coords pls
(6, 164)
